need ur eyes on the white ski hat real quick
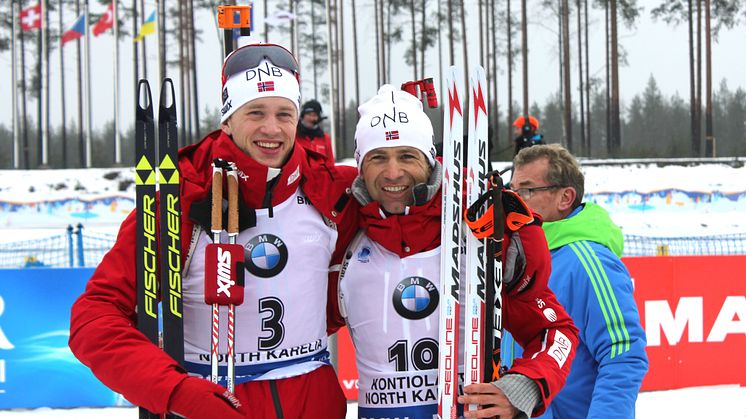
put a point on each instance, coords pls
(393, 118)
(265, 80)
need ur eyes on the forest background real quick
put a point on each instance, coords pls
(575, 53)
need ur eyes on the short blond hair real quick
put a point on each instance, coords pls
(563, 169)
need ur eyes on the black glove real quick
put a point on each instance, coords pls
(195, 398)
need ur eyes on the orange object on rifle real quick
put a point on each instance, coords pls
(234, 17)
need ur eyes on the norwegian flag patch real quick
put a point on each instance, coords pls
(265, 86)
(392, 135)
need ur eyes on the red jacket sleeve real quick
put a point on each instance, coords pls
(347, 227)
(539, 323)
(104, 337)
(334, 319)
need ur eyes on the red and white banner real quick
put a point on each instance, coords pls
(693, 310)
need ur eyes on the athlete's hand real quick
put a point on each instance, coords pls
(491, 400)
(195, 398)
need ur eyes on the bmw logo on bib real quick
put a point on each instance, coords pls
(266, 255)
(415, 298)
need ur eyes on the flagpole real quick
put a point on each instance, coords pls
(79, 88)
(24, 110)
(62, 95)
(117, 137)
(44, 94)
(16, 154)
(87, 78)
(158, 26)
(40, 92)
(332, 117)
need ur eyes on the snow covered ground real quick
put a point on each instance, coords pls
(723, 402)
(645, 199)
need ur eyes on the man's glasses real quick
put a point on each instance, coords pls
(526, 193)
(250, 56)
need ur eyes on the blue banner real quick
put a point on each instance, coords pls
(37, 368)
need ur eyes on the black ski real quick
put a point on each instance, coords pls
(145, 179)
(170, 226)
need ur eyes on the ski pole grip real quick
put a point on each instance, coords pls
(232, 202)
(496, 183)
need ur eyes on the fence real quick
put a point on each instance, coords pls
(78, 248)
(726, 244)
(74, 248)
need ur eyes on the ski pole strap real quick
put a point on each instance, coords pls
(232, 201)
(517, 213)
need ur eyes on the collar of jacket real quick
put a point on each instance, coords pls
(256, 190)
(311, 133)
(327, 187)
(405, 235)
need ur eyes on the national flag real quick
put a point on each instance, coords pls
(75, 31)
(265, 86)
(106, 21)
(147, 28)
(31, 18)
(279, 18)
(392, 135)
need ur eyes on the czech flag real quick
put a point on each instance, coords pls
(76, 31)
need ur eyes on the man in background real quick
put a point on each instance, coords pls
(310, 135)
(525, 133)
(591, 282)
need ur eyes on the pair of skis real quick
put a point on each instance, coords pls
(481, 278)
(156, 164)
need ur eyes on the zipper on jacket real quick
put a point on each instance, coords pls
(268, 195)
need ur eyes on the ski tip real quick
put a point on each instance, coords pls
(168, 94)
(144, 97)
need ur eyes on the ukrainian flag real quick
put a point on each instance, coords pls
(147, 28)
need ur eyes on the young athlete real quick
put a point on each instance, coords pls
(389, 281)
(293, 219)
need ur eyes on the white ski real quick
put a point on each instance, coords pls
(476, 249)
(450, 247)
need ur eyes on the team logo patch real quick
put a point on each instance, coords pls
(266, 255)
(550, 314)
(225, 94)
(392, 135)
(363, 256)
(265, 86)
(415, 298)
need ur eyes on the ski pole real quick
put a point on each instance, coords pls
(232, 236)
(216, 229)
(492, 372)
(224, 269)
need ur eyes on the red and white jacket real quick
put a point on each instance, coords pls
(320, 144)
(103, 332)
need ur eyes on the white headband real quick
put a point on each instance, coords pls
(265, 80)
